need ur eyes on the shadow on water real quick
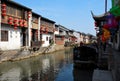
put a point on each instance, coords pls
(82, 74)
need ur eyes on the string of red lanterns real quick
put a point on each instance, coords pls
(15, 22)
(3, 9)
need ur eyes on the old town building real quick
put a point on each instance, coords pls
(61, 34)
(35, 31)
(47, 28)
(15, 25)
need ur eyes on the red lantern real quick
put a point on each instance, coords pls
(15, 20)
(3, 5)
(3, 9)
(21, 22)
(3, 14)
(15, 24)
(10, 20)
(41, 29)
(103, 38)
(24, 23)
(106, 26)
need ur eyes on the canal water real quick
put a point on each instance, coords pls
(56, 66)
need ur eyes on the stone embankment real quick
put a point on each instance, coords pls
(16, 55)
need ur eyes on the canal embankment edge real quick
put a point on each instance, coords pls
(16, 55)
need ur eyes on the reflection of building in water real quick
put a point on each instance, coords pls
(11, 75)
(45, 64)
(43, 68)
(68, 56)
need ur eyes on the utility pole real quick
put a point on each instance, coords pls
(105, 6)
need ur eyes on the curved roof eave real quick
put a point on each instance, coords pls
(99, 17)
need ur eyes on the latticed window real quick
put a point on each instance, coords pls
(4, 35)
(14, 11)
(11, 10)
(19, 12)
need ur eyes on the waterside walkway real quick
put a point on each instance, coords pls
(113, 61)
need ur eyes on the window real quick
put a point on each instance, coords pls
(19, 12)
(46, 38)
(14, 11)
(35, 19)
(11, 10)
(4, 35)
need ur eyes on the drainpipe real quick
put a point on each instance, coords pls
(29, 30)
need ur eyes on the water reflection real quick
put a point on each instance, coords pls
(50, 67)
(41, 68)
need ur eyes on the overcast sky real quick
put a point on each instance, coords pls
(73, 14)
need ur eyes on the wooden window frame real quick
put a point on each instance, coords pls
(14, 11)
(4, 35)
